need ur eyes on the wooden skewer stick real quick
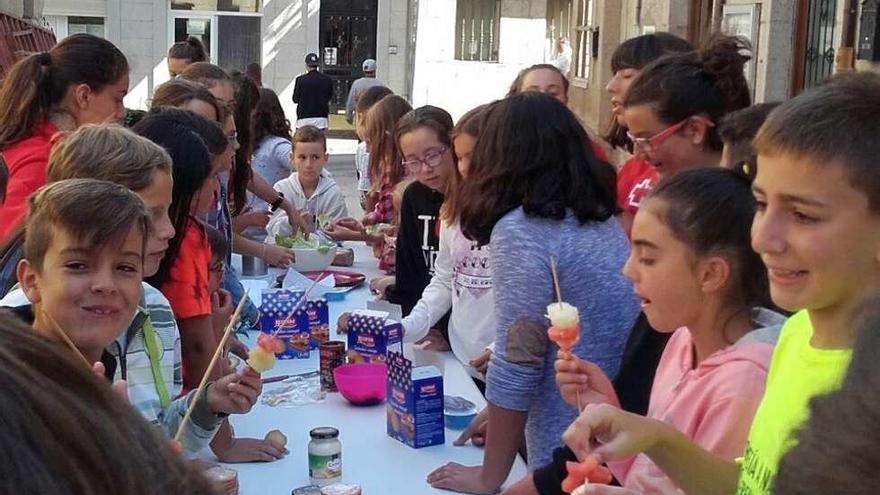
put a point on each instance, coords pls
(56, 328)
(555, 278)
(211, 365)
(559, 300)
(299, 303)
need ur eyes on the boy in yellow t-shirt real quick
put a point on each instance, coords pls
(817, 230)
(798, 372)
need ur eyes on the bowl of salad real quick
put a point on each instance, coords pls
(312, 255)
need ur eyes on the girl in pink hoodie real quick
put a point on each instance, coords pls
(697, 276)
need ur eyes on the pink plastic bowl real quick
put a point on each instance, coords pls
(362, 384)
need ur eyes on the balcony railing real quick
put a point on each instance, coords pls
(19, 39)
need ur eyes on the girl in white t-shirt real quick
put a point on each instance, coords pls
(462, 279)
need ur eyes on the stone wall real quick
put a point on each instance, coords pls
(140, 29)
(619, 20)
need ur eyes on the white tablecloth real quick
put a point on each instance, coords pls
(370, 458)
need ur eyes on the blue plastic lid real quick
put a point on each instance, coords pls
(334, 296)
(456, 404)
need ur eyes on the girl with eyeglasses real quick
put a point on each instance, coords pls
(424, 141)
(636, 177)
(673, 107)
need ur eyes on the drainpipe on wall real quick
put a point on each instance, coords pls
(843, 61)
(639, 16)
(717, 15)
(412, 19)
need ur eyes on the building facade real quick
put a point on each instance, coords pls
(275, 33)
(457, 54)
(22, 9)
(469, 51)
(451, 53)
(796, 43)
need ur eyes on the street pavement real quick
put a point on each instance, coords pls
(341, 165)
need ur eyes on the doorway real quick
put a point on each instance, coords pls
(347, 37)
(814, 43)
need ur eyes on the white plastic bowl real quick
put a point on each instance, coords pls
(312, 260)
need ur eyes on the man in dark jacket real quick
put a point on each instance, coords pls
(311, 93)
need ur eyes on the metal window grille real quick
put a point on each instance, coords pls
(819, 56)
(583, 40)
(476, 30)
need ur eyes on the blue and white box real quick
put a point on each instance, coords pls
(371, 334)
(415, 403)
(318, 313)
(293, 328)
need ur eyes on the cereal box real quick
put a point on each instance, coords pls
(294, 328)
(370, 335)
(415, 403)
(319, 321)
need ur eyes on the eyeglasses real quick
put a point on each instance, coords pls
(432, 159)
(650, 144)
(232, 137)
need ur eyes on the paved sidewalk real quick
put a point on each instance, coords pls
(341, 165)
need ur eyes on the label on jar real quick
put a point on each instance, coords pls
(325, 468)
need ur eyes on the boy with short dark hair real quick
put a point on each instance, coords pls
(817, 230)
(82, 270)
(309, 188)
(219, 253)
(737, 130)
(221, 300)
(83, 261)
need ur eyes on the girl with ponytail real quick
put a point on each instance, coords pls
(673, 107)
(184, 53)
(82, 80)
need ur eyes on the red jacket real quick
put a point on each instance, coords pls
(635, 179)
(27, 160)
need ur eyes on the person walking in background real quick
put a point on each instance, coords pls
(562, 55)
(311, 93)
(359, 86)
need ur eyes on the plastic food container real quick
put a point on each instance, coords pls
(362, 384)
(458, 411)
(341, 489)
(224, 480)
(312, 260)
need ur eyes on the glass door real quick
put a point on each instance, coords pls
(201, 27)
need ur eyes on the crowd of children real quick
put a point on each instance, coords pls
(725, 276)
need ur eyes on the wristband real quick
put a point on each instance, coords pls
(277, 202)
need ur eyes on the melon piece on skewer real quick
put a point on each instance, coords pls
(583, 473)
(564, 325)
(262, 357)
